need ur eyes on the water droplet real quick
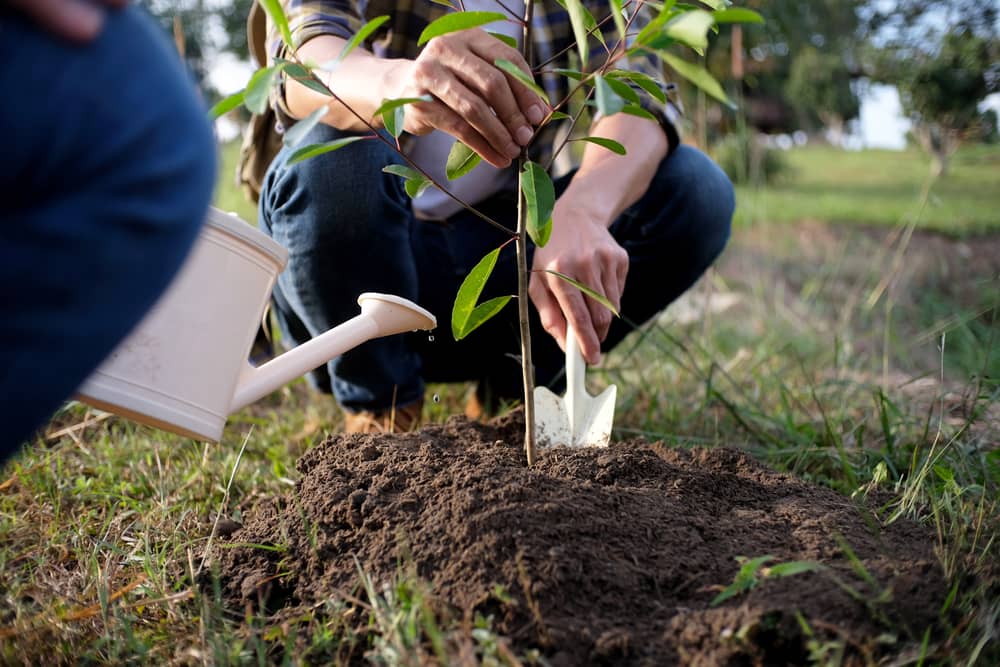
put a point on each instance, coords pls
(437, 398)
(430, 338)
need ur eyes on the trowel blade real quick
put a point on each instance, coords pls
(551, 420)
(595, 420)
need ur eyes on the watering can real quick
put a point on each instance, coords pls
(184, 369)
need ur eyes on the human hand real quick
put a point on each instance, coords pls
(582, 248)
(77, 20)
(476, 102)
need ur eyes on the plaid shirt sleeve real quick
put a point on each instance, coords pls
(312, 18)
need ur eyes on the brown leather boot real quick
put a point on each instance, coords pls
(395, 420)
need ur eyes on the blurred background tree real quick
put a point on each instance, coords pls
(204, 31)
(944, 57)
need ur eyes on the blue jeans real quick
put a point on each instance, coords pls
(109, 170)
(349, 229)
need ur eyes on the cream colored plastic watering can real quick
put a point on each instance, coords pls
(184, 369)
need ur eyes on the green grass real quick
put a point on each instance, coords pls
(875, 187)
(814, 369)
(228, 196)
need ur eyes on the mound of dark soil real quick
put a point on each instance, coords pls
(608, 556)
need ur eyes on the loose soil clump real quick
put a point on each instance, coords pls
(604, 556)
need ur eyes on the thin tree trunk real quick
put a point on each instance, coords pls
(523, 303)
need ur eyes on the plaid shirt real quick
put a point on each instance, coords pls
(553, 45)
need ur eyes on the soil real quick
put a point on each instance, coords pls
(606, 556)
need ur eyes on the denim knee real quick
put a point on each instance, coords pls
(706, 193)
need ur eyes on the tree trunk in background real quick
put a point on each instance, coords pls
(939, 142)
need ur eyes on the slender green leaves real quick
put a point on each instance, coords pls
(304, 76)
(540, 199)
(608, 101)
(691, 28)
(277, 14)
(361, 35)
(389, 105)
(225, 106)
(619, 18)
(697, 75)
(414, 182)
(296, 133)
(753, 570)
(642, 80)
(457, 21)
(258, 89)
(623, 90)
(600, 298)
(639, 112)
(506, 39)
(393, 114)
(604, 142)
(461, 160)
(737, 15)
(313, 150)
(466, 316)
(521, 76)
(578, 20)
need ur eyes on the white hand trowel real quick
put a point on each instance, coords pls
(577, 419)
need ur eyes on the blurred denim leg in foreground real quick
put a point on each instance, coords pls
(109, 168)
(349, 229)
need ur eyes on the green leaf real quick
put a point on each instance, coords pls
(697, 75)
(737, 15)
(304, 76)
(414, 182)
(483, 312)
(506, 39)
(393, 114)
(633, 110)
(745, 579)
(277, 14)
(610, 144)
(468, 295)
(361, 35)
(390, 104)
(559, 115)
(313, 150)
(521, 76)
(691, 28)
(577, 19)
(574, 74)
(619, 17)
(642, 80)
(296, 133)
(225, 106)
(623, 90)
(792, 567)
(596, 296)
(540, 198)
(461, 160)
(717, 4)
(258, 90)
(608, 101)
(393, 120)
(457, 21)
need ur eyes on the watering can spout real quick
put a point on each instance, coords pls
(381, 315)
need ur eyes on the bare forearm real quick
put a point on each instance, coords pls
(606, 183)
(360, 81)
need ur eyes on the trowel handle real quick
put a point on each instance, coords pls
(576, 369)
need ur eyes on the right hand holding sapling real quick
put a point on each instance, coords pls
(474, 101)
